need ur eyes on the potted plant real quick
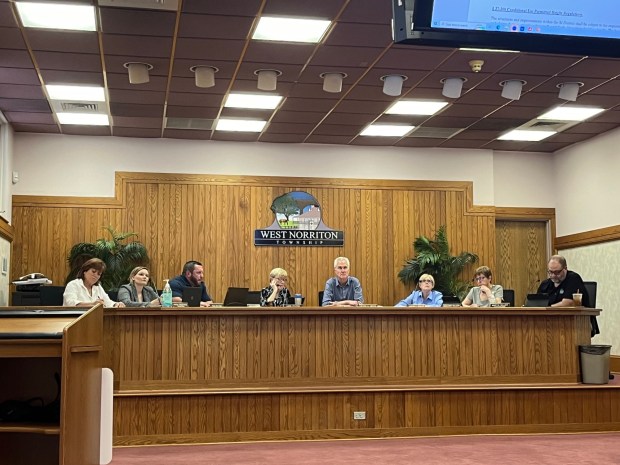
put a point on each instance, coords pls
(120, 257)
(432, 256)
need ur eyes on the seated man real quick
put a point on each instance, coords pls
(192, 276)
(562, 284)
(342, 289)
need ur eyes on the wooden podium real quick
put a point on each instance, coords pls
(34, 345)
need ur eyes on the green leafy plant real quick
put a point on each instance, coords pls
(433, 256)
(119, 256)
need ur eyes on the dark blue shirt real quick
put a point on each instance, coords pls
(177, 284)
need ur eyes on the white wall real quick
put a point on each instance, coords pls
(587, 187)
(85, 166)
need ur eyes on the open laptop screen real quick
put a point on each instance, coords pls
(537, 300)
(236, 297)
(192, 296)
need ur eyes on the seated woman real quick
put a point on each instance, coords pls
(485, 293)
(137, 293)
(423, 294)
(276, 294)
(85, 290)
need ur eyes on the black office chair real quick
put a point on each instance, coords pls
(321, 298)
(509, 296)
(591, 287)
(51, 296)
(113, 295)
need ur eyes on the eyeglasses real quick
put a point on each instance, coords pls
(555, 272)
(479, 278)
(425, 281)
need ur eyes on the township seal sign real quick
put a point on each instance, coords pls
(298, 223)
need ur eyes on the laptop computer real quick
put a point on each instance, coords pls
(236, 297)
(192, 296)
(291, 300)
(451, 301)
(253, 298)
(537, 300)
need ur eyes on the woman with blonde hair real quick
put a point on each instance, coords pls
(138, 293)
(276, 294)
(423, 294)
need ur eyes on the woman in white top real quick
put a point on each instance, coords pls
(485, 293)
(85, 290)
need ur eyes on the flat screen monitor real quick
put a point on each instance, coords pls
(546, 26)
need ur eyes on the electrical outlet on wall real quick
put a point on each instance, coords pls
(359, 415)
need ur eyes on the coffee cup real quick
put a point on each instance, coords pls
(577, 296)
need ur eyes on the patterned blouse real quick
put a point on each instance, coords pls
(280, 301)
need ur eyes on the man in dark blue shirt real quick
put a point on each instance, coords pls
(192, 276)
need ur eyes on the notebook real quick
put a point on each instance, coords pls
(236, 297)
(537, 300)
(192, 296)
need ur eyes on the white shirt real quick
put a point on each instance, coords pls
(76, 293)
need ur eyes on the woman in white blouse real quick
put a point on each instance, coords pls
(85, 290)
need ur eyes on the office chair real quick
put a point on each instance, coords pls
(591, 287)
(509, 296)
(321, 298)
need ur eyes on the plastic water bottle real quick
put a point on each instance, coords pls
(166, 295)
(297, 300)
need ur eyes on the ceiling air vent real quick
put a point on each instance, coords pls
(435, 133)
(60, 106)
(200, 124)
(171, 5)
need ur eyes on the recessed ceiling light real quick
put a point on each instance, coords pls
(571, 113)
(416, 107)
(84, 119)
(256, 101)
(386, 130)
(526, 135)
(75, 92)
(290, 29)
(57, 16)
(240, 125)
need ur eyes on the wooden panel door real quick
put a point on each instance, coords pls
(521, 256)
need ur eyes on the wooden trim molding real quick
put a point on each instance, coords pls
(6, 230)
(595, 236)
(123, 177)
(530, 214)
(614, 364)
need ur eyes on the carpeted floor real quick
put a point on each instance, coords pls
(568, 449)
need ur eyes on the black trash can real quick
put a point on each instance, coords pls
(594, 364)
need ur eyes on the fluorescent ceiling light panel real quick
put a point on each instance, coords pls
(492, 50)
(531, 135)
(416, 107)
(386, 130)
(255, 101)
(74, 92)
(84, 119)
(290, 29)
(57, 16)
(571, 113)
(240, 125)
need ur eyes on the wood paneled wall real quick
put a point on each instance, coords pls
(212, 219)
